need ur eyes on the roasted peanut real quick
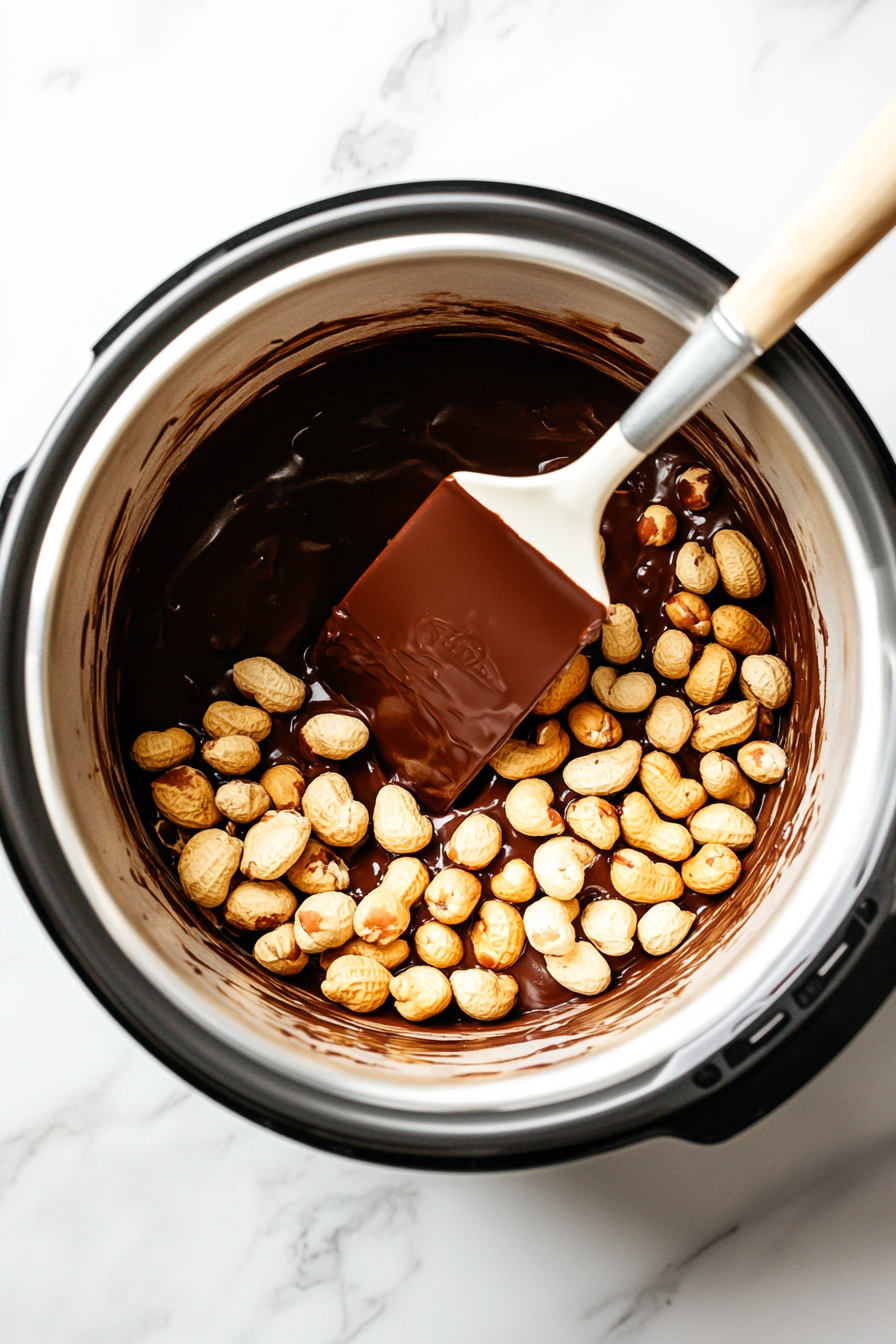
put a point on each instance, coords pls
(669, 723)
(162, 751)
(407, 878)
(670, 792)
(739, 629)
(620, 640)
(644, 829)
(231, 755)
(259, 905)
(360, 984)
(724, 725)
(398, 824)
(452, 895)
(604, 772)
(278, 951)
(722, 824)
(285, 784)
(610, 926)
(518, 759)
(438, 945)
(225, 719)
(663, 928)
(420, 992)
(548, 926)
(338, 819)
(594, 726)
(695, 569)
(696, 488)
(274, 844)
(335, 737)
(722, 779)
(324, 920)
(484, 995)
(713, 869)
(711, 675)
(657, 526)
(515, 882)
(318, 869)
(186, 797)
(765, 762)
(208, 861)
(638, 878)
(528, 809)
(384, 913)
(687, 611)
(740, 564)
(767, 679)
(269, 685)
(582, 969)
(390, 956)
(594, 820)
(560, 865)
(477, 840)
(497, 936)
(672, 654)
(628, 694)
(242, 800)
(569, 682)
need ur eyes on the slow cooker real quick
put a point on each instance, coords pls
(742, 1029)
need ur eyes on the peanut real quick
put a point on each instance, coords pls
(628, 694)
(522, 760)
(695, 569)
(528, 809)
(723, 725)
(548, 926)
(712, 870)
(604, 772)
(259, 905)
(657, 526)
(644, 829)
(333, 812)
(696, 488)
(515, 882)
(663, 928)
(185, 796)
(334, 736)
(711, 675)
(722, 824)
(438, 945)
(582, 970)
(420, 992)
(610, 926)
(285, 784)
(360, 984)
(233, 755)
(498, 936)
(671, 793)
(765, 762)
(162, 751)
(594, 726)
(278, 951)
(620, 640)
(242, 800)
(672, 654)
(325, 920)
(390, 956)
(740, 564)
(669, 723)
(476, 841)
(398, 824)
(273, 844)
(318, 869)
(722, 779)
(208, 861)
(767, 679)
(266, 682)
(384, 913)
(638, 878)
(452, 895)
(739, 629)
(560, 865)
(225, 719)
(687, 611)
(594, 820)
(484, 995)
(569, 682)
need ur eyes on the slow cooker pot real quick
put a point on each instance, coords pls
(743, 1027)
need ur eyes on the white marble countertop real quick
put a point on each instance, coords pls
(136, 134)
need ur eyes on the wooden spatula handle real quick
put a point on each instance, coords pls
(851, 211)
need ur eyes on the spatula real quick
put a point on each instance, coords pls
(449, 638)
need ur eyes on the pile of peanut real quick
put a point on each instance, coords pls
(286, 881)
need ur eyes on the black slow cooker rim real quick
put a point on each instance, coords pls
(726, 1093)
